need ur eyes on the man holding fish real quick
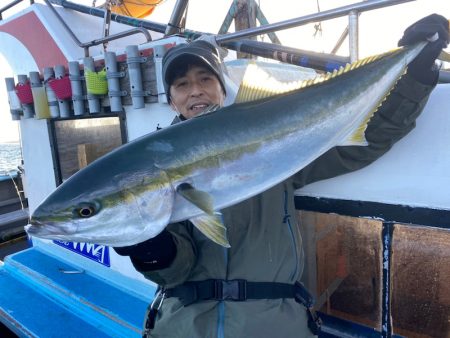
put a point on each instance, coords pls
(252, 289)
(227, 176)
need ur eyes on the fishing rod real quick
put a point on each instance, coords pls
(299, 57)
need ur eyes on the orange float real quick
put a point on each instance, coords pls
(134, 8)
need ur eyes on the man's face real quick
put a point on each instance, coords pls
(194, 92)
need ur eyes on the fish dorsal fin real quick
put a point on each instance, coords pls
(212, 227)
(200, 199)
(257, 84)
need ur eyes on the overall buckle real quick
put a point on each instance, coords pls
(235, 290)
(304, 297)
(152, 312)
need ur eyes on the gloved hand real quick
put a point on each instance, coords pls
(153, 254)
(423, 67)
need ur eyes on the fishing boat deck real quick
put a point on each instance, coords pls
(73, 300)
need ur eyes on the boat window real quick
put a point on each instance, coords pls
(78, 142)
(344, 265)
(420, 275)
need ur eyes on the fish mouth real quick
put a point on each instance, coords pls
(35, 222)
(39, 228)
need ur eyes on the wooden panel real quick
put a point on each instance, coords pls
(86, 154)
(347, 262)
(96, 136)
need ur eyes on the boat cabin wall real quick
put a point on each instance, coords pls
(39, 31)
(51, 143)
(413, 173)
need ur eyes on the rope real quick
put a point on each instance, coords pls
(318, 26)
(17, 189)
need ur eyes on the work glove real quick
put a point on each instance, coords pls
(423, 68)
(153, 254)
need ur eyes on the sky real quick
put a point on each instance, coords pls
(379, 30)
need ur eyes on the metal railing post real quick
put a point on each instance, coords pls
(353, 35)
(174, 27)
(12, 4)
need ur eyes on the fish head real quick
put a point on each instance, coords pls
(106, 203)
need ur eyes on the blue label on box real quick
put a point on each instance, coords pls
(95, 252)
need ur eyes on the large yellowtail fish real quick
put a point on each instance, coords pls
(194, 169)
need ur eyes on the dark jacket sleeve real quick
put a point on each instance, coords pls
(395, 118)
(181, 266)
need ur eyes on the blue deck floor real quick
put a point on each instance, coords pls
(38, 300)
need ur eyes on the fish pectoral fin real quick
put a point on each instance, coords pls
(212, 227)
(210, 224)
(200, 199)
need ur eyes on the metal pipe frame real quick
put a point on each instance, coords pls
(222, 39)
(340, 41)
(160, 28)
(353, 35)
(174, 27)
(87, 45)
(126, 20)
(12, 4)
(325, 15)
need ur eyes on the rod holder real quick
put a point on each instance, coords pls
(93, 101)
(112, 75)
(64, 106)
(40, 100)
(28, 109)
(158, 54)
(49, 74)
(77, 88)
(134, 61)
(13, 99)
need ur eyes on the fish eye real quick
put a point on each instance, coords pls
(85, 210)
